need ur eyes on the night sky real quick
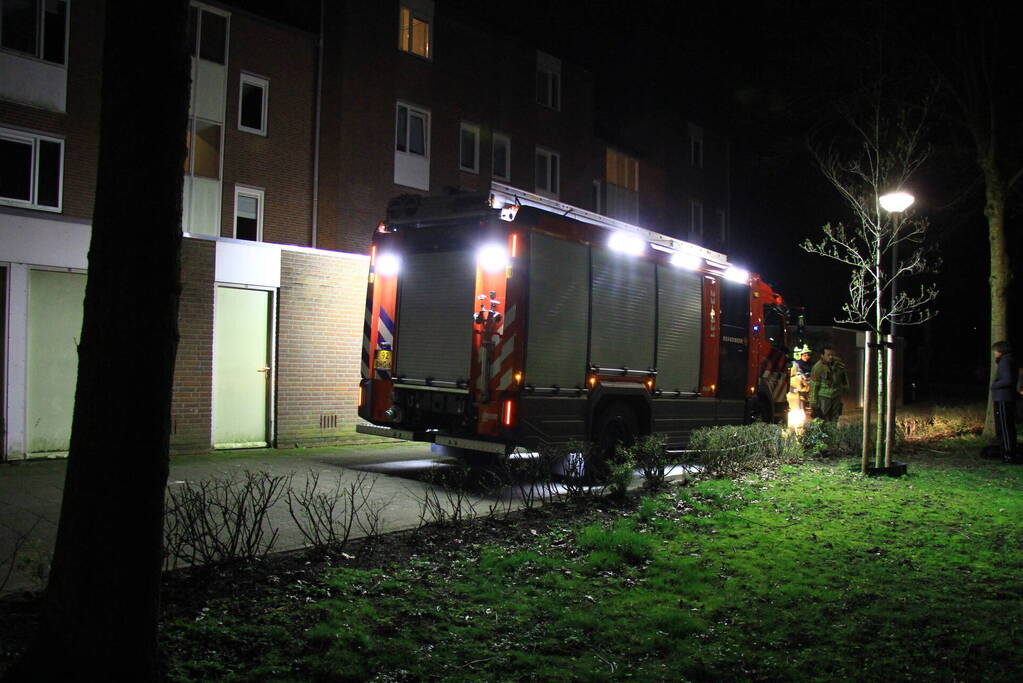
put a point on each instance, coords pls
(761, 74)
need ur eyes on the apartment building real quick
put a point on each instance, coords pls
(297, 139)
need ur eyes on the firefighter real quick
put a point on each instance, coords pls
(799, 376)
(1003, 396)
(828, 381)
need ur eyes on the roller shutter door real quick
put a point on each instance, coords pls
(435, 308)
(559, 275)
(680, 310)
(622, 325)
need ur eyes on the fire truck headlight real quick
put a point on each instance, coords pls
(627, 243)
(388, 264)
(737, 274)
(683, 260)
(493, 258)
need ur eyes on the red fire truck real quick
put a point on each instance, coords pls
(509, 321)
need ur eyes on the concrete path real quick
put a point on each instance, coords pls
(400, 481)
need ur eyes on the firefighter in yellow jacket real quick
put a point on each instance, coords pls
(799, 378)
(828, 381)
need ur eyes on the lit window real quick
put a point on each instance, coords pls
(252, 104)
(548, 80)
(547, 172)
(622, 186)
(248, 214)
(203, 149)
(469, 148)
(35, 27)
(31, 168)
(414, 29)
(502, 157)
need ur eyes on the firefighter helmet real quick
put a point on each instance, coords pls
(800, 350)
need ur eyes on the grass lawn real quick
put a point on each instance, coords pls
(809, 572)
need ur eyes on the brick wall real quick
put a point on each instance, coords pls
(80, 125)
(319, 343)
(192, 404)
(281, 162)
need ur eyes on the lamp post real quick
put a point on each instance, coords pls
(894, 203)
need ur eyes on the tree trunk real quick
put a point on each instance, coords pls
(102, 601)
(1000, 276)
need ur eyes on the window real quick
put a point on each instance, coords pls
(207, 33)
(622, 186)
(412, 146)
(548, 80)
(35, 27)
(695, 146)
(412, 130)
(696, 220)
(252, 104)
(502, 157)
(31, 168)
(469, 148)
(414, 28)
(547, 172)
(248, 214)
(203, 153)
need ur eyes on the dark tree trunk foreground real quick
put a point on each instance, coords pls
(102, 601)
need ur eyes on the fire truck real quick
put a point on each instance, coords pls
(505, 321)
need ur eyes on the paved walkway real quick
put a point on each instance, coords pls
(396, 477)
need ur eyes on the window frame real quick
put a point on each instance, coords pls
(246, 78)
(506, 175)
(425, 115)
(423, 16)
(32, 140)
(551, 67)
(40, 37)
(696, 226)
(547, 191)
(260, 195)
(474, 130)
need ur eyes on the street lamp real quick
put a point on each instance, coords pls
(895, 203)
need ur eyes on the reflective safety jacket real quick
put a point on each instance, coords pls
(828, 380)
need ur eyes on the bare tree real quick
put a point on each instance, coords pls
(102, 601)
(875, 151)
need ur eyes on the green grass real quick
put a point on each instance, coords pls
(815, 573)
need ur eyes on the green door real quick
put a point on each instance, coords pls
(54, 328)
(241, 368)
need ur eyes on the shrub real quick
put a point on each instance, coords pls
(651, 457)
(733, 450)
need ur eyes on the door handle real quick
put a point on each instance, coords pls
(266, 369)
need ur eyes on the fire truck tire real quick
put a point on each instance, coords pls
(615, 425)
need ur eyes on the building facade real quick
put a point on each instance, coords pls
(297, 139)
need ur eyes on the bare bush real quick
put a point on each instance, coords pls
(329, 516)
(221, 520)
(734, 450)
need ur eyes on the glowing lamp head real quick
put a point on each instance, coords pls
(388, 264)
(627, 243)
(492, 258)
(797, 418)
(737, 274)
(687, 261)
(895, 202)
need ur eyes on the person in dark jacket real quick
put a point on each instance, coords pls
(1003, 396)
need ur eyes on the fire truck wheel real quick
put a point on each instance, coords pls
(615, 425)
